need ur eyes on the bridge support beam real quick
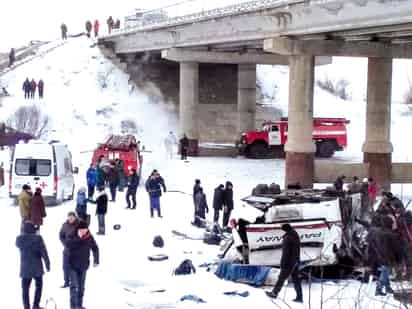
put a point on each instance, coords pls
(246, 105)
(299, 146)
(378, 148)
(189, 101)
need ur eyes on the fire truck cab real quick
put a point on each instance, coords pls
(329, 135)
(122, 147)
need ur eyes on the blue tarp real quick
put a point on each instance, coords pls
(254, 275)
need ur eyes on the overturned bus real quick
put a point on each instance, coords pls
(326, 223)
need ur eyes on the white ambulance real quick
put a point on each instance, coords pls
(43, 165)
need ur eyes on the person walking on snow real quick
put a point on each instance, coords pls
(228, 203)
(32, 252)
(81, 204)
(218, 200)
(12, 57)
(79, 247)
(63, 29)
(117, 24)
(133, 184)
(170, 142)
(67, 231)
(114, 179)
(196, 189)
(91, 176)
(24, 201)
(154, 187)
(101, 209)
(184, 147)
(201, 208)
(96, 27)
(33, 86)
(289, 263)
(40, 86)
(26, 88)
(88, 28)
(110, 24)
(38, 209)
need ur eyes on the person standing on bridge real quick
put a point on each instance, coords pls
(63, 29)
(40, 86)
(88, 28)
(12, 57)
(96, 27)
(110, 24)
(289, 263)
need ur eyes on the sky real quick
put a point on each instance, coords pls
(22, 20)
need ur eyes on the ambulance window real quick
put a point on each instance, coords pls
(275, 129)
(33, 167)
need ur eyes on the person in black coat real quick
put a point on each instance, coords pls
(338, 184)
(201, 208)
(67, 230)
(218, 202)
(196, 189)
(114, 180)
(184, 147)
(27, 88)
(101, 209)
(132, 185)
(32, 252)
(79, 247)
(289, 263)
(12, 57)
(228, 203)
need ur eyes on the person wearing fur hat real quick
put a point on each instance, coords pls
(38, 209)
(32, 253)
(289, 263)
(79, 246)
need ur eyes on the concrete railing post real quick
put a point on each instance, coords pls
(378, 148)
(246, 105)
(299, 146)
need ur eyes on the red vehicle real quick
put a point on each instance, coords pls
(122, 147)
(329, 135)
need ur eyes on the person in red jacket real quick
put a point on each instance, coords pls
(38, 209)
(96, 28)
(33, 86)
(372, 192)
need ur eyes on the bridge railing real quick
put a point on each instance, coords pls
(191, 11)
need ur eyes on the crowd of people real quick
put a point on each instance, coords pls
(30, 87)
(95, 27)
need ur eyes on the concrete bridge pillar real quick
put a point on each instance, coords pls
(299, 146)
(378, 148)
(189, 101)
(246, 105)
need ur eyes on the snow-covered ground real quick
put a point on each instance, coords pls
(82, 113)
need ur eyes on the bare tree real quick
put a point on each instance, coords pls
(29, 119)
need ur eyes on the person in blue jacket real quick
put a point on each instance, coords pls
(91, 176)
(81, 204)
(154, 185)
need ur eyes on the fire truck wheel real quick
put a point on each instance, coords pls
(325, 149)
(258, 151)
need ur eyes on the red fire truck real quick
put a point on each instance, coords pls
(122, 147)
(329, 135)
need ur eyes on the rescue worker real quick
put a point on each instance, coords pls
(170, 142)
(37, 209)
(63, 29)
(40, 86)
(218, 200)
(24, 201)
(12, 57)
(67, 231)
(96, 27)
(154, 185)
(33, 86)
(133, 184)
(79, 246)
(196, 189)
(101, 210)
(184, 147)
(228, 203)
(91, 176)
(88, 28)
(110, 24)
(289, 263)
(32, 253)
(27, 88)
(201, 208)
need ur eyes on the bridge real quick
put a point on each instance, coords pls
(208, 58)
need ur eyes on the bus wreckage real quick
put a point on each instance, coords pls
(326, 222)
